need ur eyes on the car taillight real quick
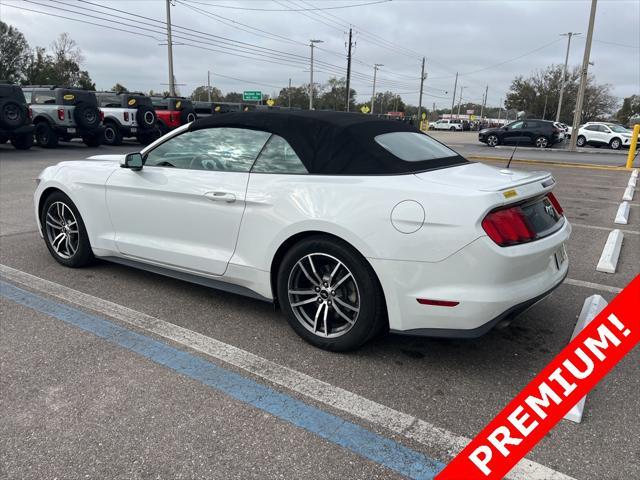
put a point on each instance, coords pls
(101, 115)
(61, 114)
(126, 116)
(508, 226)
(556, 204)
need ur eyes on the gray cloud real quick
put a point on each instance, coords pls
(462, 36)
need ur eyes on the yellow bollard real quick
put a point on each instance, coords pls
(632, 146)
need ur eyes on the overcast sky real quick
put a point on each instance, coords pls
(479, 39)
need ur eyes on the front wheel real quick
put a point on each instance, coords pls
(453, 129)
(64, 231)
(45, 135)
(112, 134)
(615, 144)
(493, 140)
(581, 141)
(542, 142)
(330, 294)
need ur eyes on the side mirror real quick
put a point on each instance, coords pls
(132, 161)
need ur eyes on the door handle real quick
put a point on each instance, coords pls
(220, 197)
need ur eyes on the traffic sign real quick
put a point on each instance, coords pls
(424, 115)
(365, 109)
(251, 96)
(271, 102)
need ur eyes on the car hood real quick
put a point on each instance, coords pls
(108, 158)
(479, 176)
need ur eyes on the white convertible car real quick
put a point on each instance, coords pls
(352, 224)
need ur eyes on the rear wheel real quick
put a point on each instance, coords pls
(581, 141)
(22, 142)
(112, 134)
(64, 231)
(615, 144)
(330, 294)
(542, 142)
(493, 140)
(45, 135)
(453, 129)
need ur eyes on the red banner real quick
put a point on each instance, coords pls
(544, 401)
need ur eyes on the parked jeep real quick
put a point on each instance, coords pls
(63, 113)
(15, 118)
(173, 112)
(126, 115)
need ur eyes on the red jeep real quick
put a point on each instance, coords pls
(173, 112)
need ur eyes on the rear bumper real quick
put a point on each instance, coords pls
(490, 283)
(25, 129)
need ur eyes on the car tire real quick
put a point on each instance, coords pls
(615, 144)
(112, 134)
(12, 114)
(356, 294)
(581, 141)
(92, 141)
(493, 140)
(22, 142)
(453, 129)
(86, 116)
(542, 142)
(188, 116)
(46, 137)
(59, 216)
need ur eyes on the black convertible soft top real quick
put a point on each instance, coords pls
(332, 143)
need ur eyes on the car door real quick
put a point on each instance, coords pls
(184, 207)
(513, 132)
(592, 134)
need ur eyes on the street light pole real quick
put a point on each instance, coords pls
(348, 93)
(453, 98)
(209, 85)
(422, 78)
(460, 100)
(312, 45)
(172, 80)
(373, 94)
(289, 91)
(564, 72)
(577, 114)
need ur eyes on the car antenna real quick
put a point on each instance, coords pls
(514, 150)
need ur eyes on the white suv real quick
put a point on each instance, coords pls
(446, 124)
(128, 115)
(600, 133)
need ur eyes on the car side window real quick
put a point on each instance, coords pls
(219, 149)
(516, 125)
(42, 98)
(592, 128)
(278, 157)
(27, 96)
(604, 129)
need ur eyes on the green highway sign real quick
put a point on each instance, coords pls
(251, 96)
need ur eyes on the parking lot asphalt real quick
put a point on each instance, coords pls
(77, 405)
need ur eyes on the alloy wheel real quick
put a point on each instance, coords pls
(492, 140)
(542, 142)
(324, 295)
(61, 228)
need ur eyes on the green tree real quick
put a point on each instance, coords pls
(14, 53)
(233, 97)
(118, 87)
(201, 94)
(39, 70)
(630, 107)
(333, 95)
(530, 95)
(299, 97)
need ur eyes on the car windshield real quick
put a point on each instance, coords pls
(413, 147)
(618, 129)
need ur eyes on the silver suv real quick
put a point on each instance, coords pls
(128, 114)
(63, 113)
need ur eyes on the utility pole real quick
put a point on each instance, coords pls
(373, 94)
(500, 109)
(544, 111)
(484, 102)
(453, 99)
(289, 91)
(577, 114)
(348, 94)
(460, 100)
(312, 45)
(422, 79)
(564, 72)
(209, 85)
(172, 80)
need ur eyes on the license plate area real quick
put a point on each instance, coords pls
(560, 256)
(71, 130)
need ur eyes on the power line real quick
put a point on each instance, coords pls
(375, 2)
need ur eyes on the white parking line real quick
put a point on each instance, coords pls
(594, 200)
(597, 227)
(425, 433)
(591, 285)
